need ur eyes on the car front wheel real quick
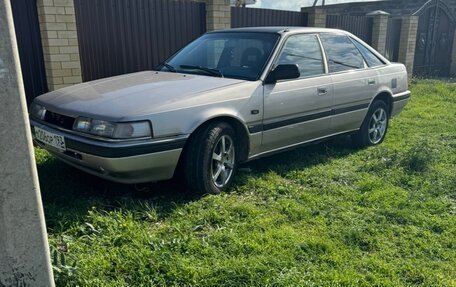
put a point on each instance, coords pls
(211, 159)
(375, 125)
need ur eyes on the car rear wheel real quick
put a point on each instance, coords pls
(374, 127)
(211, 159)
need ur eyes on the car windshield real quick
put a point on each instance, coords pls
(229, 55)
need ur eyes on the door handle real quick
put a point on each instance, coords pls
(322, 91)
(371, 82)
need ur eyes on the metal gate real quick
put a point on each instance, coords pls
(436, 29)
(28, 39)
(124, 36)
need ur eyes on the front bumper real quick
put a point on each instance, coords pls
(119, 161)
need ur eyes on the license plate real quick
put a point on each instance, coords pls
(51, 139)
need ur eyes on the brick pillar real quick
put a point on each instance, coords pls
(379, 30)
(316, 16)
(407, 43)
(218, 14)
(453, 57)
(60, 43)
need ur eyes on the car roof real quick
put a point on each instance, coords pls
(279, 30)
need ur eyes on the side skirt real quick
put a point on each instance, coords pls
(298, 145)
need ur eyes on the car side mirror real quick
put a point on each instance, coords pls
(283, 72)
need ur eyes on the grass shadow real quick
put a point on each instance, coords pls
(68, 194)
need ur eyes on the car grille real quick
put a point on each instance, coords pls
(59, 120)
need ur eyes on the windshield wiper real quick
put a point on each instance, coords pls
(169, 67)
(211, 71)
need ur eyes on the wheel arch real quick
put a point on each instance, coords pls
(239, 127)
(386, 97)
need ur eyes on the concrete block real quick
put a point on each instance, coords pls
(47, 26)
(59, 57)
(49, 35)
(65, 3)
(67, 34)
(73, 42)
(71, 65)
(53, 65)
(69, 49)
(62, 72)
(56, 87)
(71, 26)
(65, 19)
(51, 50)
(46, 18)
(56, 42)
(55, 80)
(69, 10)
(76, 72)
(41, 3)
(72, 80)
(74, 57)
(54, 10)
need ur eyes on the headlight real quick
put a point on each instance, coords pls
(37, 111)
(113, 130)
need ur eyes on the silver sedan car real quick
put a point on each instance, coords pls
(228, 97)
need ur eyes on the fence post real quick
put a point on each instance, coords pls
(218, 14)
(316, 16)
(60, 42)
(379, 30)
(407, 43)
(453, 57)
(24, 250)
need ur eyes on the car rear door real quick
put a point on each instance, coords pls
(298, 110)
(355, 84)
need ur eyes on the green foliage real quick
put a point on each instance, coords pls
(64, 273)
(324, 215)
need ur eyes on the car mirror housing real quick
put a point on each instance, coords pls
(283, 72)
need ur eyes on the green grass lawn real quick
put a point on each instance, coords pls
(323, 215)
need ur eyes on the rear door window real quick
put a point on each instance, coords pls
(341, 53)
(371, 59)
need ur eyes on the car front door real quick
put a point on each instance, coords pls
(298, 110)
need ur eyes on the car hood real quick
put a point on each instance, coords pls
(131, 95)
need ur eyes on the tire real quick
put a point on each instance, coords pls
(374, 127)
(211, 159)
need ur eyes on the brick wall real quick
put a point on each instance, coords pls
(60, 43)
(379, 32)
(407, 43)
(316, 16)
(218, 14)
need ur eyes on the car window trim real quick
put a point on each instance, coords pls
(280, 49)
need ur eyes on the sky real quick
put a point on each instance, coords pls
(295, 4)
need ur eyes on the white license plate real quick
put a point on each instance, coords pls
(51, 139)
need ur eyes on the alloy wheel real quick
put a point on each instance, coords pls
(223, 160)
(377, 126)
